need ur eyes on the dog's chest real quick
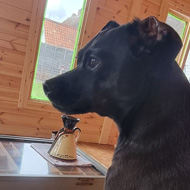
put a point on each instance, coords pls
(132, 170)
(125, 172)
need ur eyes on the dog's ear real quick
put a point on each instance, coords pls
(148, 35)
(143, 35)
(152, 32)
(149, 30)
(110, 25)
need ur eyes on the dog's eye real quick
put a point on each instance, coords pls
(93, 63)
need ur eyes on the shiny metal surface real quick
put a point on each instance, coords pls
(18, 158)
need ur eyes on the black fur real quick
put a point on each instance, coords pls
(129, 74)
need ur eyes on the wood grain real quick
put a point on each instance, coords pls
(9, 81)
(13, 39)
(105, 131)
(101, 153)
(115, 7)
(10, 69)
(14, 14)
(8, 94)
(9, 27)
(21, 4)
(11, 56)
(13, 46)
(31, 52)
(135, 9)
(163, 12)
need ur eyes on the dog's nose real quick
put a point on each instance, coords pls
(48, 87)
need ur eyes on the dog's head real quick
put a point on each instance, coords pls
(113, 69)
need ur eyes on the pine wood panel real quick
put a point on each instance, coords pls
(99, 25)
(21, 131)
(12, 56)
(181, 5)
(31, 123)
(135, 9)
(8, 94)
(106, 15)
(13, 46)
(38, 131)
(15, 14)
(113, 135)
(117, 8)
(16, 29)
(144, 13)
(92, 118)
(31, 52)
(40, 127)
(13, 39)
(10, 81)
(10, 69)
(157, 2)
(105, 131)
(164, 6)
(21, 4)
(88, 129)
(88, 22)
(152, 7)
(185, 11)
(12, 107)
(39, 105)
(124, 1)
(101, 153)
(37, 122)
(89, 138)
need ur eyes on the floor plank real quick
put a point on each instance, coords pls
(101, 153)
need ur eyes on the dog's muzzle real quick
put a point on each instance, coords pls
(48, 88)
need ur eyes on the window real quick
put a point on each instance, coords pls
(187, 67)
(59, 39)
(181, 24)
(178, 24)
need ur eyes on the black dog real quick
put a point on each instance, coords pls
(129, 73)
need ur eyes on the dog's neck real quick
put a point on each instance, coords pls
(155, 112)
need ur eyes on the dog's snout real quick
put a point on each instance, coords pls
(45, 87)
(48, 87)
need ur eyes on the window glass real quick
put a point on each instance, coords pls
(59, 40)
(176, 23)
(187, 67)
(180, 25)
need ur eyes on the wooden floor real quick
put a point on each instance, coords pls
(101, 153)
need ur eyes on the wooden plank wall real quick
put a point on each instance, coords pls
(15, 22)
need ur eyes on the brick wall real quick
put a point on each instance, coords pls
(58, 34)
(56, 53)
